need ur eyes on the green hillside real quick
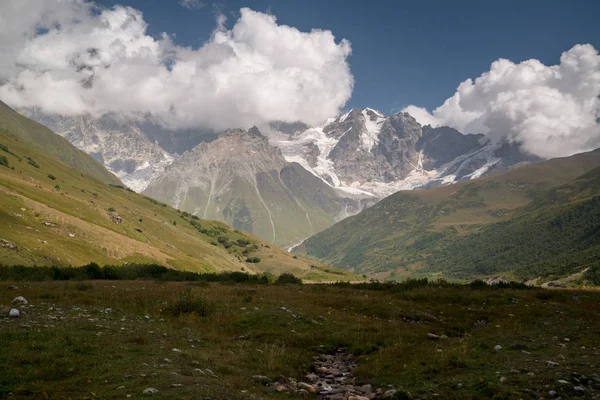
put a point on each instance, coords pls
(19, 127)
(499, 224)
(52, 214)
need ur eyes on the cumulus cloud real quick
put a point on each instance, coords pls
(70, 57)
(550, 110)
(192, 4)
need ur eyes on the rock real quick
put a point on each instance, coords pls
(72, 235)
(20, 300)
(432, 336)
(502, 380)
(552, 393)
(120, 388)
(497, 347)
(284, 388)
(13, 313)
(309, 388)
(563, 382)
(150, 391)
(12, 287)
(389, 394)
(552, 364)
(176, 350)
(6, 243)
(311, 378)
(358, 398)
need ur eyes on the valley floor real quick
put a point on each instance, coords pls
(105, 339)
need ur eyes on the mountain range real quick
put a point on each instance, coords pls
(285, 181)
(59, 206)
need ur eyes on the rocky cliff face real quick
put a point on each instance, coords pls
(362, 151)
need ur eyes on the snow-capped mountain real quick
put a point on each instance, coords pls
(362, 151)
(294, 182)
(118, 143)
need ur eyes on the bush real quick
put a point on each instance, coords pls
(253, 260)
(288, 278)
(3, 161)
(593, 275)
(111, 209)
(52, 177)
(188, 303)
(56, 187)
(32, 162)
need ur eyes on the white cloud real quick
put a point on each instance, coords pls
(551, 110)
(192, 4)
(70, 57)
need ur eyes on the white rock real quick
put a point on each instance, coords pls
(72, 235)
(552, 364)
(176, 350)
(13, 313)
(497, 347)
(150, 391)
(20, 299)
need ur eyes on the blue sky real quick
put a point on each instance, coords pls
(406, 52)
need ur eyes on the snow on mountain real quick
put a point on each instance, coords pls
(118, 143)
(363, 152)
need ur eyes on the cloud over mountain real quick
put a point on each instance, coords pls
(70, 57)
(551, 110)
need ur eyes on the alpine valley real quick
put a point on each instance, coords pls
(285, 181)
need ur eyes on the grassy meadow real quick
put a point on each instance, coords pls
(110, 339)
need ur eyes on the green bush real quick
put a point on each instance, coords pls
(288, 278)
(592, 275)
(111, 209)
(4, 161)
(188, 303)
(52, 177)
(253, 260)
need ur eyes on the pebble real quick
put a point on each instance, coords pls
(150, 391)
(497, 347)
(13, 313)
(20, 299)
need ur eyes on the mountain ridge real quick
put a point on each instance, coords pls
(395, 236)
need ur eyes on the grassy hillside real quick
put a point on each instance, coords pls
(56, 215)
(19, 127)
(443, 230)
(557, 235)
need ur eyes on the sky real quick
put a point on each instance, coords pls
(525, 71)
(407, 52)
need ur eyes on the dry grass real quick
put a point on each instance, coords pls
(80, 341)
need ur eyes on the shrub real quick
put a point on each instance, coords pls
(56, 187)
(52, 177)
(593, 275)
(32, 162)
(253, 260)
(288, 278)
(111, 209)
(3, 161)
(188, 303)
